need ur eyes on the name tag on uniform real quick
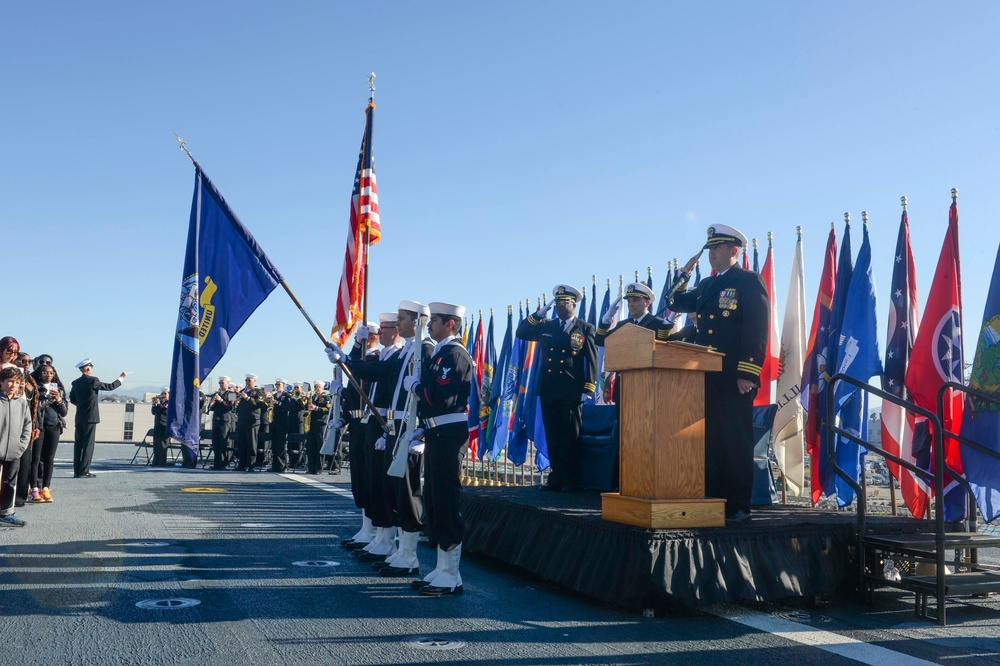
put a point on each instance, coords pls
(727, 299)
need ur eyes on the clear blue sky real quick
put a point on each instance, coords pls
(518, 145)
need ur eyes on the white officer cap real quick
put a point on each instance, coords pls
(387, 318)
(639, 289)
(722, 233)
(84, 363)
(223, 378)
(448, 309)
(279, 380)
(566, 291)
(250, 375)
(415, 306)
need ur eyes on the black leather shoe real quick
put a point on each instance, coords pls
(418, 584)
(356, 545)
(396, 572)
(739, 516)
(435, 591)
(367, 556)
(88, 475)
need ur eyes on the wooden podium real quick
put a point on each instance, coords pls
(662, 432)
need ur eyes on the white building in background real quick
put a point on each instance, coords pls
(120, 422)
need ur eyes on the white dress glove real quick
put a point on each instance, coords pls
(334, 352)
(544, 310)
(380, 444)
(417, 442)
(338, 424)
(584, 398)
(411, 383)
(362, 333)
(336, 387)
(612, 312)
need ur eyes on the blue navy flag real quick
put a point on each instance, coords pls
(981, 418)
(844, 271)
(592, 314)
(858, 357)
(226, 277)
(497, 391)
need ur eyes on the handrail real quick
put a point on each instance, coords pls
(972, 521)
(938, 475)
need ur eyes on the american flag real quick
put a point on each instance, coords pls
(364, 221)
(897, 423)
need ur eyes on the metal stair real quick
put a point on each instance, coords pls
(920, 557)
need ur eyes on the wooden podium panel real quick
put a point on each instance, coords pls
(662, 432)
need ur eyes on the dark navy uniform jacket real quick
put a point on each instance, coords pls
(648, 320)
(445, 381)
(83, 394)
(731, 316)
(569, 358)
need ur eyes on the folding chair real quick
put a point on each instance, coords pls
(146, 445)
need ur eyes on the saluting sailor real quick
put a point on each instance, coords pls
(443, 397)
(731, 315)
(638, 298)
(568, 378)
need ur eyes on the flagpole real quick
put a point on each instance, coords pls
(368, 226)
(892, 481)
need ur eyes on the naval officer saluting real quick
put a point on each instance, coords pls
(569, 378)
(731, 315)
(84, 394)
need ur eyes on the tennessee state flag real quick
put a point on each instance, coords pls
(814, 372)
(937, 358)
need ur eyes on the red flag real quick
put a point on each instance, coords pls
(364, 222)
(479, 358)
(897, 423)
(746, 260)
(769, 371)
(937, 358)
(815, 365)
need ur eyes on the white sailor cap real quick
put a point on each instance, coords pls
(639, 289)
(165, 388)
(387, 318)
(448, 309)
(722, 233)
(250, 375)
(297, 384)
(415, 306)
(84, 363)
(372, 327)
(223, 378)
(321, 382)
(566, 291)
(279, 380)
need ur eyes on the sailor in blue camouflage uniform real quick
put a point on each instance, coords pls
(568, 378)
(731, 315)
(443, 391)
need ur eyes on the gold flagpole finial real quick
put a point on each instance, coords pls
(371, 85)
(864, 217)
(954, 195)
(770, 238)
(798, 231)
(649, 272)
(755, 243)
(183, 145)
(637, 276)
(902, 201)
(847, 219)
(510, 309)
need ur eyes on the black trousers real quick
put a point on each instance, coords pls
(444, 451)
(246, 444)
(314, 442)
(45, 448)
(8, 484)
(728, 442)
(406, 497)
(220, 444)
(160, 446)
(24, 471)
(562, 419)
(356, 458)
(279, 438)
(378, 507)
(83, 447)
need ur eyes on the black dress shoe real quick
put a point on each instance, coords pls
(418, 584)
(88, 475)
(356, 545)
(435, 591)
(739, 516)
(367, 556)
(396, 572)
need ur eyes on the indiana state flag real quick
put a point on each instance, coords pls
(226, 277)
(858, 356)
